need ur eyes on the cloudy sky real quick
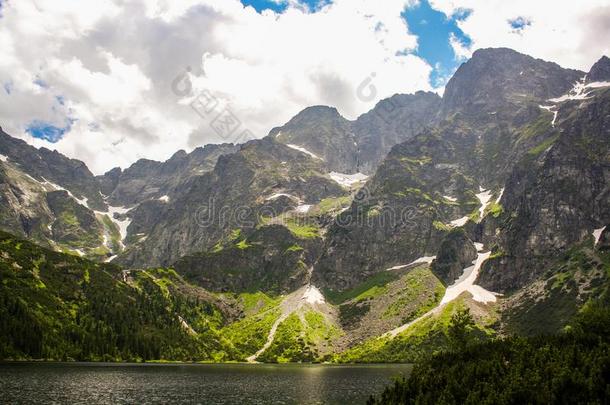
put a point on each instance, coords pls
(111, 81)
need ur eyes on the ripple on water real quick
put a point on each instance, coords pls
(105, 383)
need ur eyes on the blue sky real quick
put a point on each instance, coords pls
(47, 131)
(433, 30)
(278, 5)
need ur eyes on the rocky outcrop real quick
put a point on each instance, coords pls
(600, 71)
(324, 132)
(74, 225)
(456, 253)
(392, 121)
(500, 81)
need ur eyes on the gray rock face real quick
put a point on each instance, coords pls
(74, 224)
(392, 121)
(600, 72)
(322, 131)
(555, 197)
(148, 179)
(454, 255)
(497, 79)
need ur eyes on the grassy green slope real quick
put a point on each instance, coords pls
(424, 337)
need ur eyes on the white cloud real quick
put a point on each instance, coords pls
(460, 50)
(113, 62)
(573, 34)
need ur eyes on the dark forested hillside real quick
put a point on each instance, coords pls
(570, 368)
(57, 306)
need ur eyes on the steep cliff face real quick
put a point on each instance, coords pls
(500, 81)
(556, 196)
(58, 203)
(390, 122)
(48, 214)
(324, 133)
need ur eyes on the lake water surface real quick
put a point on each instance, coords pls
(94, 383)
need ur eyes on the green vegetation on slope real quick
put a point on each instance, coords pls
(419, 340)
(416, 289)
(299, 337)
(568, 368)
(57, 306)
(247, 335)
(581, 274)
(373, 286)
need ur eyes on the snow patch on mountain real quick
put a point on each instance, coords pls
(313, 296)
(347, 180)
(305, 151)
(484, 196)
(466, 283)
(579, 91)
(303, 209)
(553, 109)
(278, 195)
(459, 222)
(597, 234)
(46, 184)
(122, 224)
(500, 196)
(423, 259)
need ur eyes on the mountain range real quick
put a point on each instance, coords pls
(328, 239)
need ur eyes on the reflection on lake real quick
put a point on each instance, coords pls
(193, 383)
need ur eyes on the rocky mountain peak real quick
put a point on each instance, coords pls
(600, 71)
(315, 115)
(498, 77)
(179, 155)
